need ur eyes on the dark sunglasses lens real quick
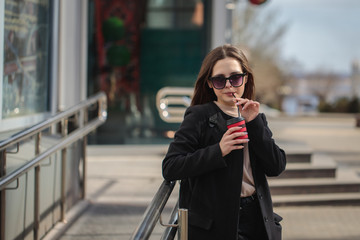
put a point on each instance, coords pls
(218, 82)
(236, 80)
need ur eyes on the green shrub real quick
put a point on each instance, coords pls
(341, 105)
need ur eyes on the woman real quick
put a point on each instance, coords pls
(223, 177)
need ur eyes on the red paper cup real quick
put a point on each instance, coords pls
(238, 122)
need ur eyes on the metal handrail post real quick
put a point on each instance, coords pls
(102, 108)
(64, 127)
(2, 194)
(37, 190)
(84, 167)
(183, 224)
(171, 228)
(36, 203)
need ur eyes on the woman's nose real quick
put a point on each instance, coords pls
(227, 83)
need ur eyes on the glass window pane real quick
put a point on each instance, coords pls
(160, 19)
(160, 3)
(180, 14)
(26, 48)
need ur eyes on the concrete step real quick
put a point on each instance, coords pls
(305, 170)
(298, 157)
(313, 186)
(318, 182)
(297, 152)
(317, 199)
(320, 166)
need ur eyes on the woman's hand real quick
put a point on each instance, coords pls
(229, 142)
(249, 109)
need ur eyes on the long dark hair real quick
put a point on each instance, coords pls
(202, 92)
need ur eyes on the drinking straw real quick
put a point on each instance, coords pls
(239, 114)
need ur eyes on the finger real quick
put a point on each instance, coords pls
(251, 103)
(241, 141)
(243, 103)
(233, 129)
(239, 134)
(235, 147)
(239, 146)
(255, 104)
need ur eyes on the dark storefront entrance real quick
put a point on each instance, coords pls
(135, 49)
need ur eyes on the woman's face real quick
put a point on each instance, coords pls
(225, 68)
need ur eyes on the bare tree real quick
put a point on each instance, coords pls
(323, 84)
(257, 32)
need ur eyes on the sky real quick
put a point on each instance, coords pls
(321, 34)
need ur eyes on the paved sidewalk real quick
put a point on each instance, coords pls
(123, 179)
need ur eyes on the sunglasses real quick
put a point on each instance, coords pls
(235, 80)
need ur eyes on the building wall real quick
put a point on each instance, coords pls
(50, 64)
(72, 52)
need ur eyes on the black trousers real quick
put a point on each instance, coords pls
(251, 223)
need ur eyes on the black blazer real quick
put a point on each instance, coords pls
(211, 184)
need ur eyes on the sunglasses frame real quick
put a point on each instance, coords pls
(228, 78)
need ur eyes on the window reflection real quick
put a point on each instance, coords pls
(26, 44)
(183, 14)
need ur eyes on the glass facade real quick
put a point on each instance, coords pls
(152, 44)
(25, 80)
(172, 14)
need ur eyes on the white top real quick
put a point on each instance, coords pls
(248, 185)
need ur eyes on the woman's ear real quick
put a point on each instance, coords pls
(209, 84)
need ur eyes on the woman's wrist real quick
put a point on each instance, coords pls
(250, 118)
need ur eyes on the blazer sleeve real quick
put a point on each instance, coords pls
(267, 153)
(187, 156)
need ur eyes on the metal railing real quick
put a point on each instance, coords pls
(178, 218)
(72, 125)
(172, 102)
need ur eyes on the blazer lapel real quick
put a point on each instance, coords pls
(217, 120)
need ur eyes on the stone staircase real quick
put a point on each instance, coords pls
(314, 179)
